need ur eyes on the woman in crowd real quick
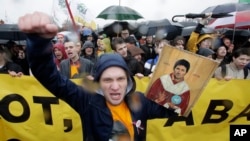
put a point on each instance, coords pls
(59, 53)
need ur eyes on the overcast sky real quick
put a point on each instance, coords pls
(149, 9)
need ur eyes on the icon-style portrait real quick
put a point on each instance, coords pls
(179, 79)
(171, 90)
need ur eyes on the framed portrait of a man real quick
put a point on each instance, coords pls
(179, 79)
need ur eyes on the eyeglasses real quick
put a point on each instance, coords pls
(125, 33)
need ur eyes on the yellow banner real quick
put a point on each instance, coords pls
(29, 112)
(221, 104)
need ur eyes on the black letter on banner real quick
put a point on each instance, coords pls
(227, 104)
(5, 112)
(244, 113)
(13, 140)
(46, 101)
(68, 125)
(189, 120)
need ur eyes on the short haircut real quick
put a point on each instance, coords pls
(182, 62)
(241, 51)
(130, 40)
(116, 41)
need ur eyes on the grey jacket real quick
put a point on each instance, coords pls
(86, 66)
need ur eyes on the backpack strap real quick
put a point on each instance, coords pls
(223, 70)
(245, 72)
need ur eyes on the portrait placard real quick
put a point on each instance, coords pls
(179, 79)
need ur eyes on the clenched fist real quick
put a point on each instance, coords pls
(38, 23)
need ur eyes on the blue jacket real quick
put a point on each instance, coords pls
(96, 118)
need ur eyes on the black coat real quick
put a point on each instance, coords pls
(10, 66)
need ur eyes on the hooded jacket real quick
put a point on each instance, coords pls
(196, 38)
(60, 47)
(92, 57)
(96, 117)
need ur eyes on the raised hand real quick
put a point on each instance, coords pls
(38, 23)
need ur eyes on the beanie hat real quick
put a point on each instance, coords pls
(86, 31)
(88, 44)
(108, 60)
(205, 52)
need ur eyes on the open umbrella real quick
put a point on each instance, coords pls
(114, 28)
(160, 28)
(238, 36)
(188, 23)
(186, 31)
(227, 8)
(237, 32)
(11, 32)
(239, 20)
(119, 13)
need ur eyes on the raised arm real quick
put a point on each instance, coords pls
(40, 30)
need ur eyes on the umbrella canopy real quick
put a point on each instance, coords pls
(115, 28)
(186, 31)
(11, 32)
(239, 20)
(238, 36)
(20, 42)
(227, 8)
(188, 23)
(119, 13)
(237, 32)
(160, 28)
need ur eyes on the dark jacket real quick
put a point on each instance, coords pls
(96, 118)
(86, 66)
(149, 51)
(133, 65)
(10, 66)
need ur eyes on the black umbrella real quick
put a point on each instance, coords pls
(119, 13)
(160, 28)
(115, 28)
(188, 23)
(235, 32)
(11, 32)
(186, 31)
(201, 15)
(239, 37)
(227, 8)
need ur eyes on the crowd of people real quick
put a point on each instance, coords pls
(112, 62)
(141, 55)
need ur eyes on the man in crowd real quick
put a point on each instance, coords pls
(120, 47)
(75, 66)
(237, 68)
(115, 101)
